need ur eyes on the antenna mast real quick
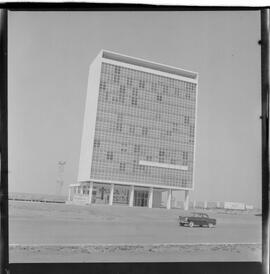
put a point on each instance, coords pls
(60, 180)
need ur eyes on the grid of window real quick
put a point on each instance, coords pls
(121, 194)
(140, 198)
(143, 117)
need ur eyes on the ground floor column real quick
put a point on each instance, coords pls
(81, 188)
(111, 194)
(169, 199)
(150, 197)
(131, 196)
(69, 193)
(90, 193)
(186, 202)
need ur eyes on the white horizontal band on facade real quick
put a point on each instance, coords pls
(162, 165)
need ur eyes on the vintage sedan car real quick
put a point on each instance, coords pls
(197, 219)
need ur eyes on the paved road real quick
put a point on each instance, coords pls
(39, 223)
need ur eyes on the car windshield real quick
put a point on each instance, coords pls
(196, 214)
(201, 215)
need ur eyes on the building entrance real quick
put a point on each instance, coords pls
(100, 194)
(141, 198)
(121, 195)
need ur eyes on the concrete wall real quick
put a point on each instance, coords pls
(87, 141)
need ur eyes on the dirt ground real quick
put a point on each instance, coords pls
(40, 232)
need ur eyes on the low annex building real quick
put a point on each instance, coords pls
(138, 137)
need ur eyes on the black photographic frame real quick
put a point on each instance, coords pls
(178, 267)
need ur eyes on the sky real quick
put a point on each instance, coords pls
(49, 54)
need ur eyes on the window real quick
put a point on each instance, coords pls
(193, 88)
(184, 182)
(188, 94)
(129, 81)
(116, 76)
(102, 85)
(148, 158)
(135, 166)
(119, 122)
(132, 129)
(186, 120)
(110, 155)
(122, 92)
(124, 147)
(191, 130)
(174, 127)
(161, 156)
(154, 86)
(106, 95)
(159, 97)
(137, 148)
(158, 116)
(141, 84)
(142, 168)
(177, 92)
(185, 157)
(117, 70)
(122, 166)
(134, 98)
(144, 131)
(165, 89)
(173, 161)
(96, 143)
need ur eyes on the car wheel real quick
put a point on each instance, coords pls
(210, 225)
(191, 224)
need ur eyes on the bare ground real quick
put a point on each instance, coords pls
(42, 232)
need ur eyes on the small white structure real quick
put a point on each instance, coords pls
(234, 205)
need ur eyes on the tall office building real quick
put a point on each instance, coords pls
(138, 136)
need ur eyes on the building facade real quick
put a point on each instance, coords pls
(138, 137)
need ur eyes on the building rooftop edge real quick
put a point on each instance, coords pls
(106, 54)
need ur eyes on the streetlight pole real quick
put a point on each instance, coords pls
(60, 180)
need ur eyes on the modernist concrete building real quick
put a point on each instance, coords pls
(139, 133)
